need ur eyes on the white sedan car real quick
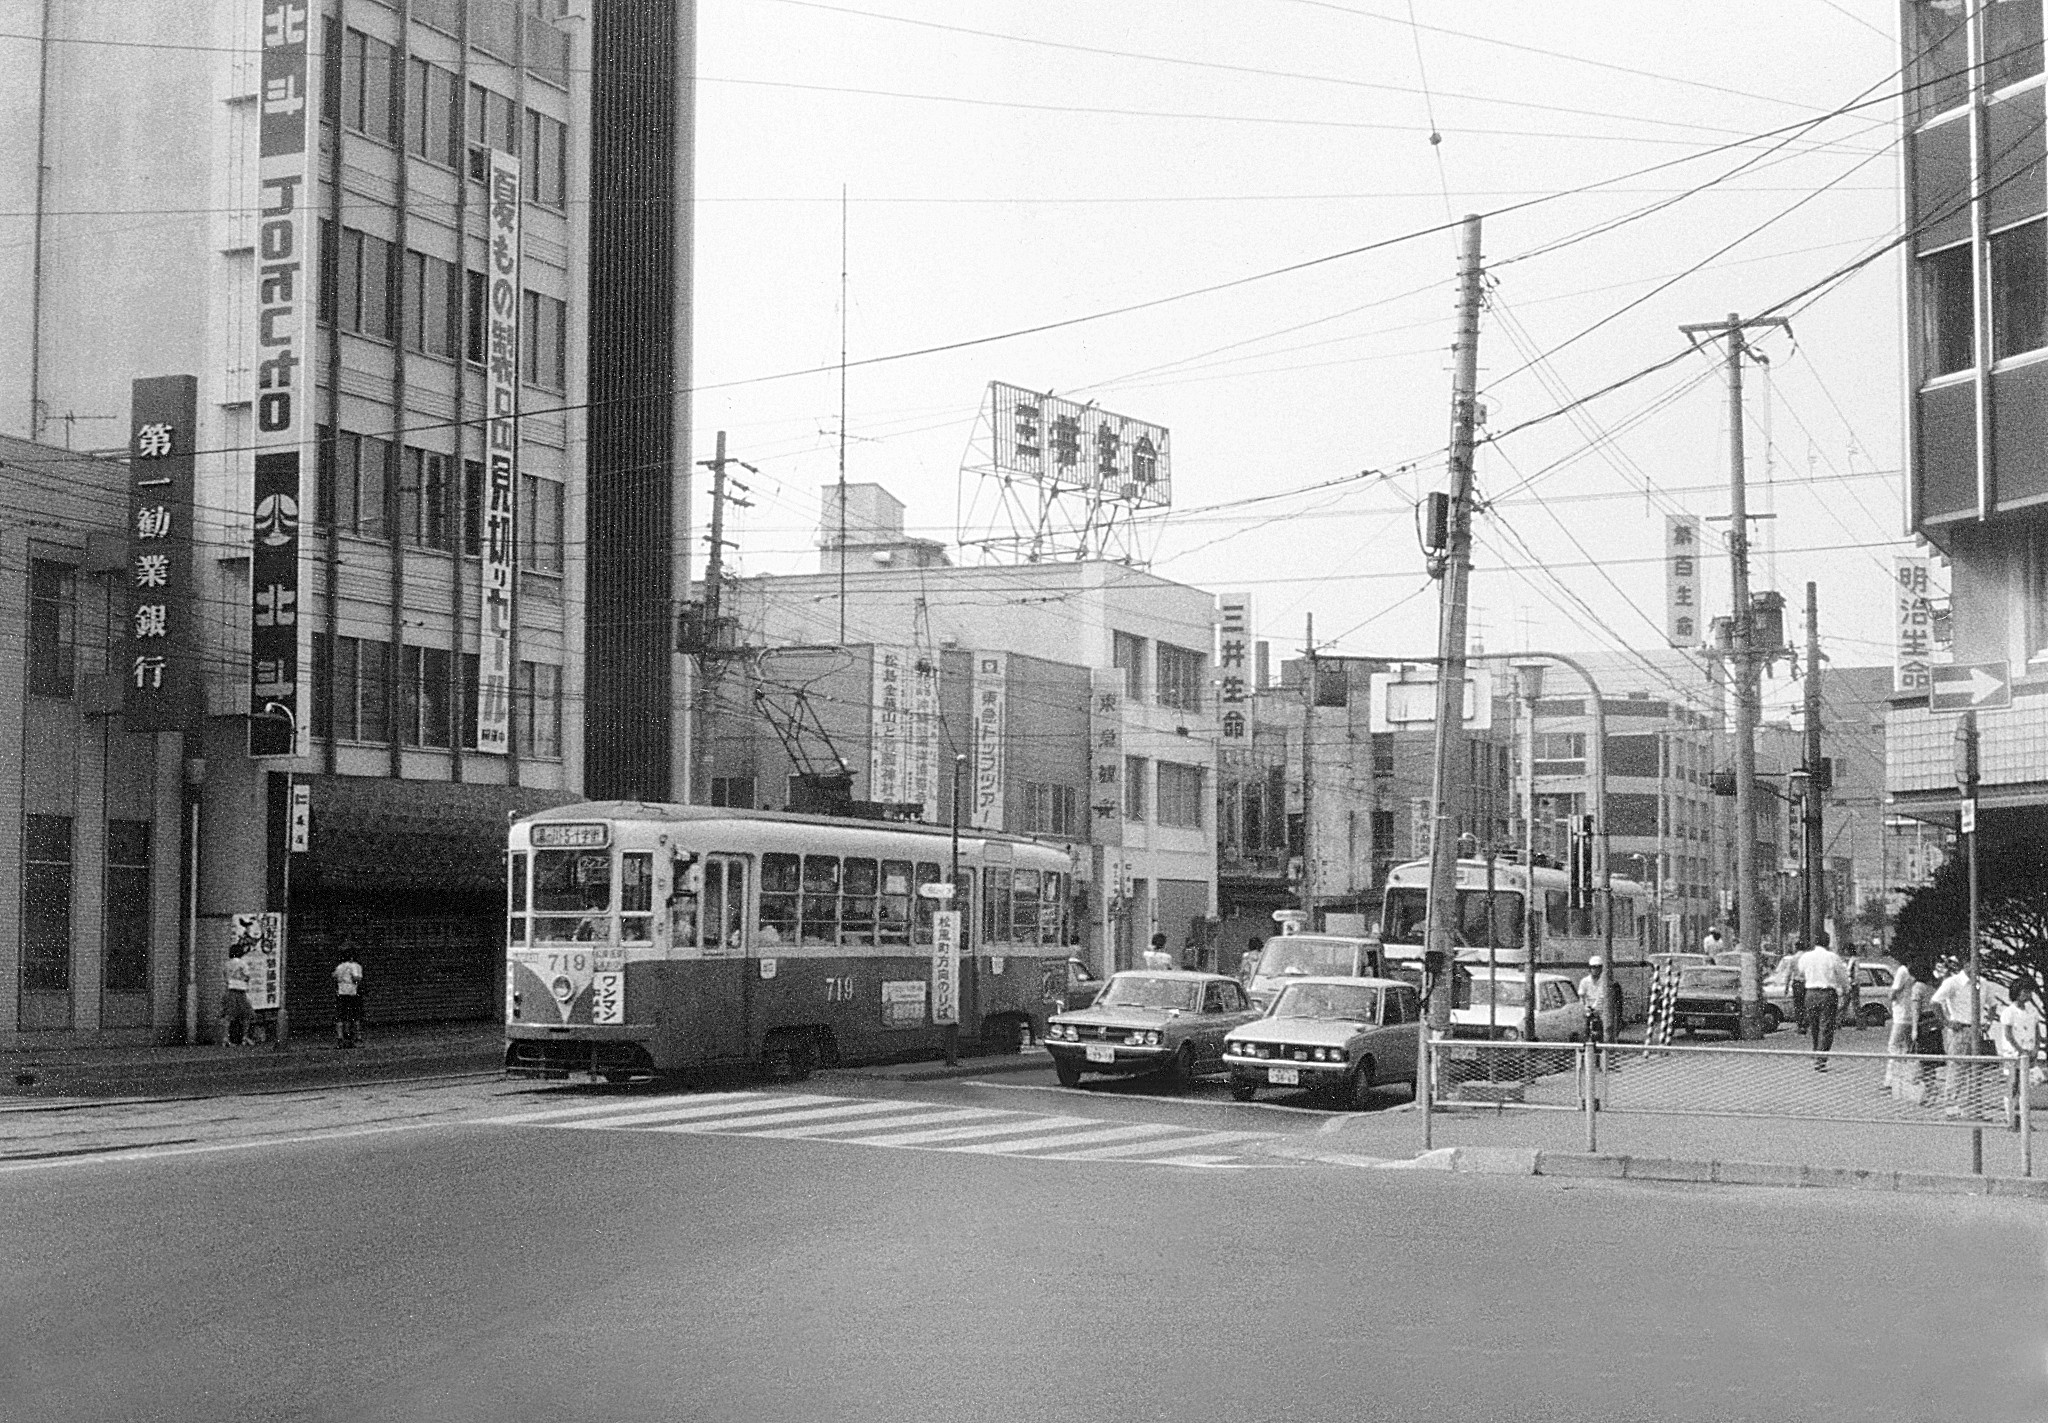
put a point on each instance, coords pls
(1500, 997)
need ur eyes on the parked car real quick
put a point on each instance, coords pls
(1710, 1000)
(1341, 1035)
(1873, 991)
(1082, 988)
(1288, 957)
(1499, 998)
(1150, 1021)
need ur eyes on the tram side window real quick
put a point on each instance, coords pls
(725, 902)
(515, 896)
(781, 886)
(922, 909)
(820, 923)
(995, 906)
(857, 911)
(1024, 906)
(895, 901)
(572, 892)
(1052, 907)
(636, 897)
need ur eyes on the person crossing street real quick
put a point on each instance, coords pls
(1826, 977)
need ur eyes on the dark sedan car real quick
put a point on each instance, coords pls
(1149, 1022)
(1710, 1000)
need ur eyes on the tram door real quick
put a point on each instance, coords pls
(710, 1006)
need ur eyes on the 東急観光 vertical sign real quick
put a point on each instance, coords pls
(501, 459)
(285, 302)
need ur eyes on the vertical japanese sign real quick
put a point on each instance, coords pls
(991, 715)
(157, 684)
(946, 966)
(501, 460)
(1106, 756)
(1233, 645)
(1420, 828)
(1682, 580)
(262, 937)
(1913, 648)
(886, 720)
(921, 754)
(285, 302)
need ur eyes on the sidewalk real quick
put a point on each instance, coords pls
(37, 1077)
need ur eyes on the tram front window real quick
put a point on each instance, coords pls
(572, 895)
(1407, 919)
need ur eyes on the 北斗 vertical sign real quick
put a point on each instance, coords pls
(946, 966)
(285, 302)
(1682, 580)
(1106, 756)
(1913, 648)
(1233, 644)
(991, 711)
(501, 459)
(157, 685)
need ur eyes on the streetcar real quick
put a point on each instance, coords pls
(644, 940)
(1487, 927)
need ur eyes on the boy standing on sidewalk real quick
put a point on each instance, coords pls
(348, 998)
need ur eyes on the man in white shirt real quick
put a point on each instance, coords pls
(348, 998)
(1826, 977)
(1958, 1035)
(1713, 944)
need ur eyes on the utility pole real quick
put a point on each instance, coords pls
(1308, 820)
(1743, 654)
(1456, 571)
(710, 641)
(1816, 781)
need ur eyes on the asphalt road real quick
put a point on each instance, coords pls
(507, 1271)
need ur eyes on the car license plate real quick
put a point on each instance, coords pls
(1284, 1076)
(1694, 1020)
(1101, 1054)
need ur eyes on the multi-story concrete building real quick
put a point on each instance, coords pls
(426, 265)
(1138, 786)
(1977, 381)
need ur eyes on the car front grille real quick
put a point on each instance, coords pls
(1712, 1007)
(1272, 1052)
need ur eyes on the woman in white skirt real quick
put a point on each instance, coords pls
(1902, 1075)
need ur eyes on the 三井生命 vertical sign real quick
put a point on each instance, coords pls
(501, 458)
(1682, 580)
(285, 302)
(1233, 684)
(157, 685)
(991, 713)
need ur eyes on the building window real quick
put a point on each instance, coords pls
(46, 905)
(537, 710)
(423, 689)
(492, 123)
(1948, 322)
(1051, 809)
(52, 628)
(1560, 753)
(432, 305)
(1136, 774)
(540, 524)
(2019, 290)
(2012, 42)
(355, 471)
(547, 156)
(423, 499)
(1383, 755)
(127, 917)
(357, 294)
(1940, 50)
(473, 508)
(356, 669)
(475, 317)
(736, 791)
(544, 341)
(1180, 677)
(1128, 652)
(465, 704)
(431, 117)
(1180, 795)
(366, 87)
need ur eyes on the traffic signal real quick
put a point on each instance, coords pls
(1579, 858)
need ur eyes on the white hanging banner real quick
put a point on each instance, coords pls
(991, 712)
(501, 460)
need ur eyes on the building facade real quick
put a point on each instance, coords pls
(455, 317)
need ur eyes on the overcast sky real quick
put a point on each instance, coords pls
(1640, 165)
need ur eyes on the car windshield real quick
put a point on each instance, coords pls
(1297, 957)
(1138, 990)
(1356, 1004)
(1710, 980)
(1506, 992)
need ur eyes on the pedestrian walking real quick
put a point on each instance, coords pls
(2019, 1045)
(1959, 1039)
(1826, 977)
(234, 1000)
(1852, 996)
(1157, 956)
(1902, 1076)
(1592, 997)
(1248, 961)
(1712, 945)
(1795, 981)
(348, 998)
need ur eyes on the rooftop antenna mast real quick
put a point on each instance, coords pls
(842, 414)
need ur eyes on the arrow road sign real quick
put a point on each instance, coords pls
(1970, 686)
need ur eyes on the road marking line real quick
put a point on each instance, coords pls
(711, 1112)
(925, 1138)
(145, 1153)
(1040, 1143)
(1214, 1138)
(746, 1121)
(842, 1131)
(595, 1108)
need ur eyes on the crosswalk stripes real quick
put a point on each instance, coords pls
(916, 1126)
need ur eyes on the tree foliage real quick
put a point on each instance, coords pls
(2012, 913)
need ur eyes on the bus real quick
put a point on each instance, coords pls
(644, 940)
(1488, 924)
